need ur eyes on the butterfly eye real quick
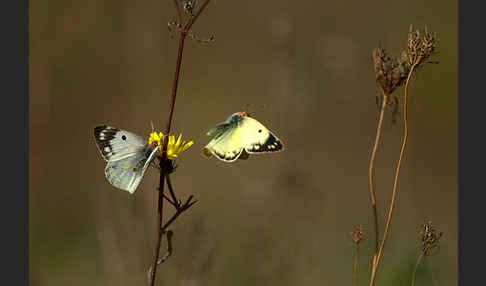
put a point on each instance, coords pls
(124, 137)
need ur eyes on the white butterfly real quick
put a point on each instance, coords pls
(239, 136)
(128, 156)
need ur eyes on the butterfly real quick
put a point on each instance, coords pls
(238, 137)
(128, 156)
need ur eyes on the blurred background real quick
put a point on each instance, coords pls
(278, 219)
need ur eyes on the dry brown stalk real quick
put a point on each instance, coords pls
(357, 235)
(165, 164)
(418, 51)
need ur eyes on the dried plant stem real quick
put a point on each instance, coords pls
(419, 259)
(163, 161)
(371, 169)
(171, 191)
(178, 12)
(395, 182)
(356, 260)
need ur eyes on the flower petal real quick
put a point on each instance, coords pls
(186, 146)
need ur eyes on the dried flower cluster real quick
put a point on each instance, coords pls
(392, 72)
(357, 235)
(188, 6)
(430, 238)
(420, 49)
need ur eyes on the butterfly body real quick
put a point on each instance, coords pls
(238, 137)
(128, 156)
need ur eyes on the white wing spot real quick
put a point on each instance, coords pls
(106, 149)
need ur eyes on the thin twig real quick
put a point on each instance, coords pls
(153, 268)
(169, 235)
(194, 18)
(371, 168)
(171, 191)
(395, 182)
(419, 259)
(356, 260)
(178, 12)
(170, 201)
(163, 160)
(167, 254)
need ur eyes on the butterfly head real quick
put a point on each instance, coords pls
(243, 113)
(237, 117)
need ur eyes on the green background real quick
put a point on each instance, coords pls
(278, 219)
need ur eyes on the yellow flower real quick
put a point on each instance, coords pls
(154, 137)
(173, 148)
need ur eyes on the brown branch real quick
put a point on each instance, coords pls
(356, 260)
(163, 160)
(179, 211)
(371, 168)
(193, 19)
(182, 37)
(153, 268)
(167, 254)
(169, 247)
(170, 201)
(178, 12)
(171, 191)
(395, 182)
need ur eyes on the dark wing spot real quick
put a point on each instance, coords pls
(272, 144)
(259, 131)
(103, 135)
(124, 137)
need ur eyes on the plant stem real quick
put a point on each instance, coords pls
(395, 182)
(419, 259)
(161, 229)
(171, 191)
(182, 37)
(194, 18)
(163, 160)
(356, 260)
(178, 12)
(371, 168)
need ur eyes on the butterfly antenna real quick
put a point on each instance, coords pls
(251, 109)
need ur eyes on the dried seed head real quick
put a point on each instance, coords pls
(357, 234)
(420, 49)
(430, 238)
(188, 6)
(390, 72)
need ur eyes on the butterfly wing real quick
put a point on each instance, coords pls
(125, 170)
(226, 144)
(111, 140)
(257, 138)
(128, 156)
